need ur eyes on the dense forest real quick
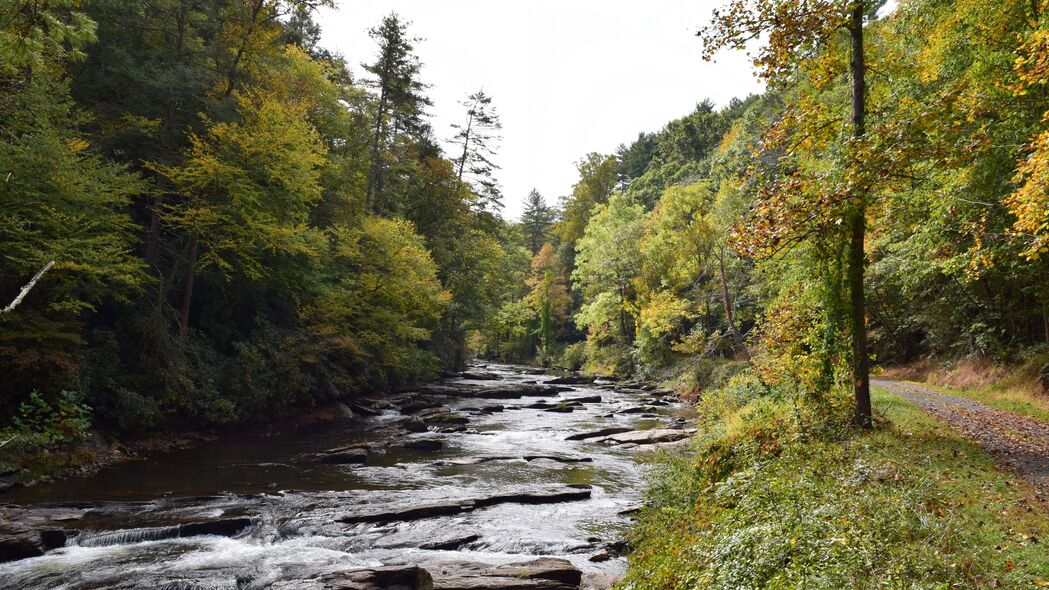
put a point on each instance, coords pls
(208, 220)
(240, 226)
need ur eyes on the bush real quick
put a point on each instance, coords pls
(574, 356)
(45, 424)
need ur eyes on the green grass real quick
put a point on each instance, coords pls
(1010, 398)
(778, 495)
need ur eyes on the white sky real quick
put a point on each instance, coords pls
(567, 77)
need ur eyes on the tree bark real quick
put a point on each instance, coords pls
(466, 145)
(25, 290)
(860, 360)
(187, 292)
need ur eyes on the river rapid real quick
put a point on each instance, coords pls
(475, 469)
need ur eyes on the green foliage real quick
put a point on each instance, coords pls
(778, 497)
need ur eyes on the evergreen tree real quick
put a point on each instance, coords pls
(477, 139)
(399, 102)
(536, 220)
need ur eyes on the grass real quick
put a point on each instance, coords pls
(778, 495)
(1010, 388)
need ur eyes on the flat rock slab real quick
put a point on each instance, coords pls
(422, 511)
(647, 437)
(598, 433)
(450, 544)
(399, 577)
(343, 456)
(573, 380)
(477, 376)
(541, 574)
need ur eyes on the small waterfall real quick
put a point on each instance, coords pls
(125, 537)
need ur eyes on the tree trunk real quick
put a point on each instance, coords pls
(187, 293)
(466, 145)
(730, 318)
(860, 360)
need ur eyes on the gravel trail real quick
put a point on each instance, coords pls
(1018, 442)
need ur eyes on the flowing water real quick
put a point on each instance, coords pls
(127, 517)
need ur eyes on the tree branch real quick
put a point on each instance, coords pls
(26, 289)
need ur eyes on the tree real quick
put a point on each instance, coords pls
(536, 220)
(42, 33)
(607, 263)
(249, 188)
(399, 105)
(795, 30)
(597, 180)
(549, 297)
(477, 139)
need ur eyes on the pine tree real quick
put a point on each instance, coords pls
(536, 220)
(399, 104)
(477, 138)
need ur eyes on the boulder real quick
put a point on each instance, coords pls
(438, 419)
(225, 527)
(414, 425)
(18, 541)
(398, 577)
(647, 437)
(598, 581)
(541, 574)
(598, 433)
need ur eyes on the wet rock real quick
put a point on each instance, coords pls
(558, 459)
(602, 555)
(479, 376)
(419, 405)
(562, 408)
(55, 538)
(439, 419)
(18, 541)
(364, 410)
(636, 410)
(351, 455)
(414, 425)
(398, 577)
(226, 527)
(586, 399)
(569, 494)
(655, 435)
(541, 574)
(598, 581)
(426, 445)
(598, 433)
(492, 408)
(631, 510)
(573, 380)
(413, 513)
(518, 391)
(450, 544)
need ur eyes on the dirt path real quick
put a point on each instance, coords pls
(1020, 443)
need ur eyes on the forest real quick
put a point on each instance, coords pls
(208, 221)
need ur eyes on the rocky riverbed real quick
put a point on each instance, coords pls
(500, 477)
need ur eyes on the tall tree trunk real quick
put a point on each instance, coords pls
(231, 74)
(187, 292)
(466, 145)
(730, 317)
(860, 362)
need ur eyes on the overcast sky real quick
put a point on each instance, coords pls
(568, 77)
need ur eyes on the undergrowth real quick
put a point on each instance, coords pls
(778, 494)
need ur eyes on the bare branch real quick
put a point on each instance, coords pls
(26, 289)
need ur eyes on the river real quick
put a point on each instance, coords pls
(489, 480)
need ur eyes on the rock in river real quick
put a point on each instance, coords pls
(598, 433)
(573, 380)
(647, 437)
(541, 574)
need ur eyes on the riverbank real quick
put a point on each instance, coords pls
(778, 496)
